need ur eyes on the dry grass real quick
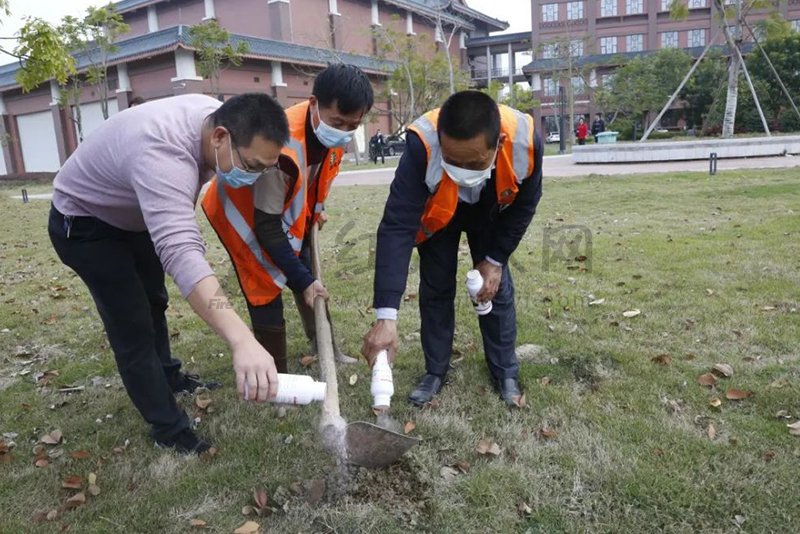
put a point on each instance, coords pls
(631, 451)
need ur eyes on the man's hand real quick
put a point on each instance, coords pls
(254, 365)
(323, 218)
(492, 274)
(314, 290)
(382, 336)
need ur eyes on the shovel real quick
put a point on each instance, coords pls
(361, 443)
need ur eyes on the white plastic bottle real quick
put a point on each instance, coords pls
(474, 285)
(296, 389)
(382, 387)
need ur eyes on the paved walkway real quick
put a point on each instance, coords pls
(562, 166)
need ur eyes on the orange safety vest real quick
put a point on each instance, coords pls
(231, 212)
(515, 163)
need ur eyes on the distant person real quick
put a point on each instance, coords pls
(378, 144)
(582, 131)
(138, 101)
(598, 126)
(123, 213)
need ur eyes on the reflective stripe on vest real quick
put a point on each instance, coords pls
(514, 164)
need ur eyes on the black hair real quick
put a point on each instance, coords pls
(467, 114)
(250, 114)
(345, 84)
(136, 101)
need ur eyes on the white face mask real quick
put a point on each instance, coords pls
(332, 137)
(467, 177)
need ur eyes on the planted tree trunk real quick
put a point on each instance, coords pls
(729, 120)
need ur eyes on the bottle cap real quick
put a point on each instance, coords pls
(473, 274)
(382, 401)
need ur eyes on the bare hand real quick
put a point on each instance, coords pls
(492, 274)
(382, 336)
(313, 291)
(323, 218)
(254, 365)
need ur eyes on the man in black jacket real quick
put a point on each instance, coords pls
(470, 167)
(598, 126)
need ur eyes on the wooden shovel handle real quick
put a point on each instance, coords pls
(327, 363)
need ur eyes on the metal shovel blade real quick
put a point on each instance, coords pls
(374, 447)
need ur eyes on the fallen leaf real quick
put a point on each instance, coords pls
(545, 380)
(260, 497)
(709, 292)
(72, 482)
(92, 479)
(463, 466)
(248, 510)
(519, 400)
(448, 472)
(783, 414)
(75, 501)
(250, 527)
(707, 379)
(769, 455)
(38, 518)
(197, 523)
(307, 360)
(659, 452)
(738, 394)
(778, 384)
(52, 515)
(80, 455)
(53, 438)
(769, 308)
(580, 258)
(689, 357)
(524, 509)
(41, 463)
(662, 359)
(202, 403)
(631, 313)
(548, 433)
(597, 302)
(712, 432)
(94, 490)
(487, 447)
(353, 379)
(794, 428)
(723, 369)
(715, 402)
(409, 427)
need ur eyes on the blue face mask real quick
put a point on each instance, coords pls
(237, 177)
(332, 137)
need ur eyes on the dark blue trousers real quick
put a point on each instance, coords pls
(438, 288)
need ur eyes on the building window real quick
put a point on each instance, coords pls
(520, 60)
(697, 4)
(578, 85)
(333, 7)
(634, 43)
(669, 40)
(665, 5)
(549, 12)
(697, 37)
(796, 25)
(574, 10)
(608, 8)
(608, 45)
(576, 48)
(550, 88)
(549, 51)
(634, 7)
(606, 80)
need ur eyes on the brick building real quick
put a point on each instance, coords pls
(599, 32)
(289, 41)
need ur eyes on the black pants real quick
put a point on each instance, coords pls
(438, 287)
(272, 314)
(126, 280)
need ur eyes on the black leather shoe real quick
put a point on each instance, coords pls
(185, 442)
(429, 386)
(187, 383)
(509, 390)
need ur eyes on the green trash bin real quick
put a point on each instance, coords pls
(607, 137)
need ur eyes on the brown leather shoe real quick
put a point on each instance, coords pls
(273, 339)
(309, 321)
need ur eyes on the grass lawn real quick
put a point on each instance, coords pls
(610, 440)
